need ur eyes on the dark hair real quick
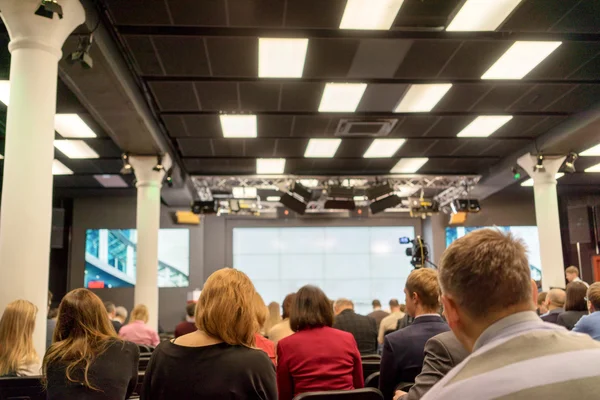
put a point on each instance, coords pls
(287, 305)
(394, 303)
(310, 309)
(110, 306)
(376, 303)
(190, 309)
(53, 313)
(576, 292)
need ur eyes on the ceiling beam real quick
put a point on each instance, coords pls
(379, 114)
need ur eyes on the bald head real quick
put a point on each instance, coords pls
(555, 299)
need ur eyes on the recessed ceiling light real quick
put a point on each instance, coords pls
(238, 126)
(5, 92)
(309, 183)
(486, 15)
(422, 98)
(520, 59)
(243, 192)
(322, 148)
(75, 149)
(273, 198)
(59, 168)
(485, 125)
(529, 182)
(281, 58)
(111, 181)
(370, 14)
(270, 166)
(591, 152)
(383, 148)
(409, 165)
(593, 168)
(341, 97)
(72, 126)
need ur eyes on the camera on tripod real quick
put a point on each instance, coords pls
(419, 251)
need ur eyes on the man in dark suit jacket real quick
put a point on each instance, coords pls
(111, 310)
(364, 329)
(403, 350)
(377, 314)
(555, 302)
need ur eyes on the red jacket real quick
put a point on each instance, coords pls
(318, 359)
(265, 345)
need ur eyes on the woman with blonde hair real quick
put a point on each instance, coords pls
(137, 330)
(87, 360)
(273, 317)
(261, 316)
(17, 354)
(218, 360)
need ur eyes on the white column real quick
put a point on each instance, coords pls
(148, 185)
(547, 218)
(26, 209)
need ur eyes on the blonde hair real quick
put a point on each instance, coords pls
(262, 312)
(83, 332)
(572, 270)
(16, 337)
(139, 313)
(226, 308)
(273, 316)
(593, 295)
(424, 282)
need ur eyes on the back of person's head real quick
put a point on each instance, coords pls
(190, 309)
(225, 310)
(556, 297)
(486, 272)
(343, 304)
(572, 270)
(16, 336)
(110, 307)
(261, 311)
(287, 305)
(82, 333)
(424, 282)
(376, 304)
(542, 298)
(273, 315)
(394, 303)
(576, 292)
(310, 309)
(140, 313)
(121, 312)
(593, 295)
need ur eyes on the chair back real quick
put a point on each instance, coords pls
(22, 388)
(370, 367)
(145, 349)
(372, 357)
(372, 380)
(356, 394)
(143, 363)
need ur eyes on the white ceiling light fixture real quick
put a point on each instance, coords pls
(273, 198)
(75, 149)
(270, 166)
(520, 59)
(72, 126)
(309, 183)
(281, 58)
(5, 92)
(243, 192)
(484, 126)
(482, 15)
(322, 148)
(409, 165)
(591, 152)
(370, 14)
(111, 181)
(341, 97)
(59, 168)
(422, 98)
(529, 182)
(593, 168)
(383, 148)
(238, 126)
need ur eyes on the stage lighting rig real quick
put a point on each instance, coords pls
(569, 166)
(539, 166)
(82, 54)
(127, 167)
(419, 252)
(169, 178)
(48, 8)
(159, 165)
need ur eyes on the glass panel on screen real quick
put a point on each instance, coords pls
(529, 235)
(110, 258)
(359, 263)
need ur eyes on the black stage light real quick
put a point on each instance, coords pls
(127, 168)
(302, 191)
(48, 8)
(465, 205)
(340, 192)
(385, 203)
(82, 54)
(339, 205)
(293, 203)
(569, 166)
(169, 178)
(159, 165)
(539, 166)
(204, 207)
(375, 192)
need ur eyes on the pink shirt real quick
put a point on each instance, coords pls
(139, 333)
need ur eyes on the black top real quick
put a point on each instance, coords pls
(114, 372)
(364, 330)
(219, 371)
(568, 319)
(116, 324)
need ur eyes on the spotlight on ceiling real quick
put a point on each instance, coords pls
(516, 173)
(341, 192)
(204, 207)
(335, 204)
(382, 205)
(169, 178)
(293, 203)
(539, 166)
(48, 8)
(377, 191)
(569, 166)
(82, 54)
(159, 165)
(127, 168)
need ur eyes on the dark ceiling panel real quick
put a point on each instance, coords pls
(504, 148)
(525, 127)
(474, 58)
(462, 96)
(257, 13)
(196, 147)
(426, 58)
(590, 70)
(501, 97)
(198, 13)
(414, 126)
(329, 57)
(139, 12)
(354, 148)
(202, 125)
(175, 96)
(580, 99)
(540, 96)
(584, 17)
(175, 125)
(182, 55)
(260, 96)
(378, 58)
(218, 96)
(314, 13)
(263, 148)
(290, 148)
(105, 148)
(432, 13)
(449, 126)
(274, 125)
(301, 96)
(306, 126)
(215, 166)
(144, 55)
(565, 60)
(92, 166)
(66, 102)
(415, 147)
(233, 56)
(381, 97)
(537, 15)
(74, 181)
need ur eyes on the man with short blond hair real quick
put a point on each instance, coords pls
(488, 303)
(572, 275)
(590, 324)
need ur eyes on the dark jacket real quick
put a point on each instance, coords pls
(378, 316)
(364, 330)
(552, 315)
(568, 319)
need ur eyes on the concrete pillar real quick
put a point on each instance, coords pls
(26, 210)
(547, 217)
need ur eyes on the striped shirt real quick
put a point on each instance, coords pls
(521, 357)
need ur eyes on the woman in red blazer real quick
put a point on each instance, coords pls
(317, 357)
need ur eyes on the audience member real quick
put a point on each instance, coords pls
(390, 322)
(86, 359)
(488, 303)
(541, 304)
(262, 314)
(17, 354)
(403, 350)
(283, 329)
(111, 310)
(555, 303)
(364, 329)
(575, 306)
(377, 314)
(137, 330)
(273, 317)
(218, 360)
(316, 357)
(121, 314)
(51, 321)
(572, 275)
(189, 325)
(405, 321)
(590, 324)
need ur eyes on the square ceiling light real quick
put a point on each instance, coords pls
(485, 125)
(591, 152)
(482, 15)
(409, 165)
(383, 148)
(59, 168)
(5, 92)
(520, 59)
(75, 149)
(238, 126)
(529, 182)
(322, 148)
(370, 14)
(341, 97)
(593, 168)
(243, 192)
(111, 181)
(270, 166)
(72, 126)
(281, 58)
(422, 98)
